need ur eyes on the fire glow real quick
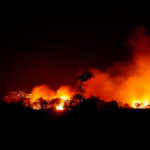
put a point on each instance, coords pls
(126, 82)
(60, 97)
(140, 104)
(60, 107)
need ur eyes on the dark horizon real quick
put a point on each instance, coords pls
(51, 43)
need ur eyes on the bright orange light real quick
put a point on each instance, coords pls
(42, 91)
(64, 93)
(127, 82)
(60, 107)
(140, 104)
(37, 107)
(65, 97)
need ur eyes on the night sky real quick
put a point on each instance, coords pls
(51, 42)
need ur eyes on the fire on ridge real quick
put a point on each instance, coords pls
(58, 103)
(126, 82)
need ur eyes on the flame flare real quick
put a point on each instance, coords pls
(63, 94)
(60, 107)
(127, 82)
(140, 104)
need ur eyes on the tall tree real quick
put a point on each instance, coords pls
(81, 88)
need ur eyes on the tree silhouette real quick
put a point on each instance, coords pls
(81, 88)
(85, 76)
(43, 103)
(113, 105)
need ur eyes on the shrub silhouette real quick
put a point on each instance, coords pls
(81, 88)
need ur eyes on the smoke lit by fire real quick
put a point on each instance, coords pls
(42, 94)
(61, 96)
(127, 82)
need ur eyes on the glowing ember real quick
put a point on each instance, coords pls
(65, 97)
(126, 82)
(37, 107)
(140, 104)
(60, 107)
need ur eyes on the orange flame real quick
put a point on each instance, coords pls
(60, 107)
(126, 82)
(140, 104)
(64, 93)
(42, 91)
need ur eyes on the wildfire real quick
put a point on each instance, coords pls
(126, 82)
(37, 107)
(65, 97)
(60, 107)
(45, 97)
(140, 104)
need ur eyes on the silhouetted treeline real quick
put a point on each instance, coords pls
(92, 110)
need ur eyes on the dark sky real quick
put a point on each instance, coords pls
(51, 42)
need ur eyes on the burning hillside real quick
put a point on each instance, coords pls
(41, 97)
(126, 82)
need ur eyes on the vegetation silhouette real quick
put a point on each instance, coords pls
(80, 109)
(79, 96)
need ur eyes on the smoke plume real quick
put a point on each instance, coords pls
(129, 81)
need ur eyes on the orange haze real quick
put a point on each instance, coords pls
(64, 93)
(127, 82)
